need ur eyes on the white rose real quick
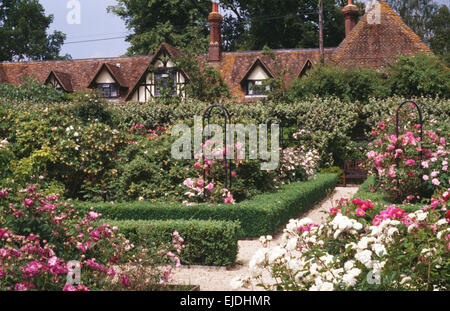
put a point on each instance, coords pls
(292, 244)
(349, 265)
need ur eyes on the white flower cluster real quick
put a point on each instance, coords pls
(303, 258)
(4, 143)
(341, 224)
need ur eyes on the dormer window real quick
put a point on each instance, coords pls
(255, 81)
(60, 81)
(108, 81)
(162, 78)
(109, 90)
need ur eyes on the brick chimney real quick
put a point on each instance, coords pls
(351, 13)
(215, 41)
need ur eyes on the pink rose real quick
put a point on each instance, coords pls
(436, 182)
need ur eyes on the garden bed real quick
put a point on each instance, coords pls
(262, 215)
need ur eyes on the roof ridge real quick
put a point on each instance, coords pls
(74, 60)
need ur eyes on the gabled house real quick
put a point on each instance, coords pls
(374, 41)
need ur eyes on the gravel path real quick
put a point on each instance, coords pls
(219, 278)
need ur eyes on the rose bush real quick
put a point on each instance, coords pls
(40, 238)
(407, 167)
(354, 250)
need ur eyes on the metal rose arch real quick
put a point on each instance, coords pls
(226, 141)
(397, 126)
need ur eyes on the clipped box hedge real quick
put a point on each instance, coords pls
(262, 215)
(211, 243)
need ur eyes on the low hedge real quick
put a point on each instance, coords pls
(262, 215)
(211, 243)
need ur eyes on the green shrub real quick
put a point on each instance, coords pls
(420, 75)
(261, 215)
(212, 243)
(347, 84)
(89, 106)
(31, 90)
(334, 170)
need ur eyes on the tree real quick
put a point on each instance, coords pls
(429, 20)
(253, 24)
(247, 24)
(23, 32)
(177, 22)
(440, 43)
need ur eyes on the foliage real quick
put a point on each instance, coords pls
(248, 25)
(40, 239)
(205, 82)
(23, 32)
(251, 25)
(348, 84)
(31, 90)
(440, 41)
(176, 22)
(419, 75)
(145, 168)
(429, 20)
(210, 243)
(55, 145)
(334, 170)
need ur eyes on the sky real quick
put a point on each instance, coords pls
(94, 23)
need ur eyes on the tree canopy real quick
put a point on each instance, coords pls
(23, 32)
(429, 20)
(177, 22)
(247, 25)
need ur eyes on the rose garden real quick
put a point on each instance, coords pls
(90, 190)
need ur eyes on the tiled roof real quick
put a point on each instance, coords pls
(368, 44)
(81, 71)
(376, 44)
(234, 66)
(64, 79)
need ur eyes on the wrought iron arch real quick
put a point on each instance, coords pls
(226, 139)
(397, 126)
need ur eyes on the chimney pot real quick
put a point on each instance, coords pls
(350, 13)
(215, 40)
(215, 7)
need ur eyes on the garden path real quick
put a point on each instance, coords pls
(219, 278)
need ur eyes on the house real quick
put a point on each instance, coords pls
(374, 41)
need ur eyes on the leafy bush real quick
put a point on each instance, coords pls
(334, 170)
(212, 243)
(263, 214)
(407, 167)
(347, 84)
(31, 90)
(420, 75)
